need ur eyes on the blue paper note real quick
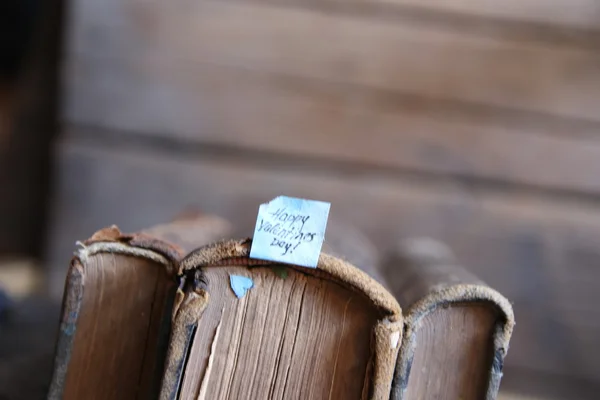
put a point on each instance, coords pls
(290, 230)
(240, 285)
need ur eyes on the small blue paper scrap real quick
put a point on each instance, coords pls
(240, 285)
(290, 230)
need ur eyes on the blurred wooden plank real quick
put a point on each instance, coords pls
(517, 242)
(334, 47)
(572, 13)
(232, 107)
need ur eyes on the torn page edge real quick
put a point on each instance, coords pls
(211, 358)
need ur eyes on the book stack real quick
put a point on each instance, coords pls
(181, 311)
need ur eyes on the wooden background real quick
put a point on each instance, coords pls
(475, 122)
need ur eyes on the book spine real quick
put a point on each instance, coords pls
(187, 312)
(418, 267)
(347, 242)
(424, 276)
(68, 325)
(388, 332)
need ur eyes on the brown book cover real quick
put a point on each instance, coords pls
(116, 312)
(457, 329)
(349, 243)
(295, 333)
(131, 298)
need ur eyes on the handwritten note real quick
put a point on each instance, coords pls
(290, 230)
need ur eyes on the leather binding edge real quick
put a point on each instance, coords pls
(112, 240)
(387, 333)
(107, 240)
(223, 252)
(194, 298)
(68, 325)
(453, 295)
(430, 278)
(387, 336)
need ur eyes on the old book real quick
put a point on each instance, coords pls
(457, 329)
(116, 312)
(289, 332)
(346, 241)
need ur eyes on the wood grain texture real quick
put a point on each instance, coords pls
(431, 100)
(223, 106)
(578, 13)
(518, 243)
(376, 53)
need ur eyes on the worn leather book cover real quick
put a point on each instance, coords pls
(293, 333)
(132, 298)
(155, 315)
(116, 312)
(457, 329)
